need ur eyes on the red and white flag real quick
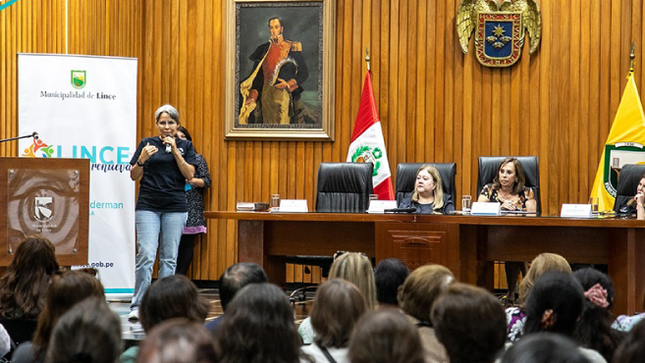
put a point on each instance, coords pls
(368, 144)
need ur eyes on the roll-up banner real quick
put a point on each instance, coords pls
(86, 107)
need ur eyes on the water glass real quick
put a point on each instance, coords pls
(466, 202)
(275, 201)
(594, 205)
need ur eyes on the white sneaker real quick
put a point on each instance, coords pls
(134, 315)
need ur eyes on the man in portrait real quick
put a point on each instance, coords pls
(271, 94)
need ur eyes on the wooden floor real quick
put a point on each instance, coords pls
(132, 332)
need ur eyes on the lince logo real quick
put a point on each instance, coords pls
(499, 29)
(43, 208)
(79, 79)
(366, 154)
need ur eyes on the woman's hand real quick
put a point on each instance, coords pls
(147, 152)
(509, 205)
(169, 140)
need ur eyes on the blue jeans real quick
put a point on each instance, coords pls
(149, 224)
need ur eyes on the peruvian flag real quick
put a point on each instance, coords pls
(368, 144)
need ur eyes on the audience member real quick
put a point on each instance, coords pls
(89, 332)
(23, 287)
(470, 323)
(543, 263)
(178, 341)
(544, 348)
(173, 296)
(416, 296)
(385, 336)
(337, 308)
(555, 305)
(594, 327)
(258, 327)
(356, 268)
(66, 290)
(632, 348)
(233, 280)
(388, 276)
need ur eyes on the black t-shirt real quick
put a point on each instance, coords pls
(162, 186)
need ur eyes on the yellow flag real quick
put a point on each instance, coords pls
(624, 145)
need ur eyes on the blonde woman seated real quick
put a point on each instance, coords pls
(516, 315)
(428, 196)
(353, 267)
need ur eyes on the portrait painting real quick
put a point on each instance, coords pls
(279, 83)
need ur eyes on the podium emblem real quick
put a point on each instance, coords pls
(43, 208)
(79, 79)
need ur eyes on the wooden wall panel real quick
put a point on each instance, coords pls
(436, 104)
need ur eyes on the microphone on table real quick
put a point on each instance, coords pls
(401, 210)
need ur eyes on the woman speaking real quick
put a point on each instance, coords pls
(163, 163)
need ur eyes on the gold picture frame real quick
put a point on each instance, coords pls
(280, 70)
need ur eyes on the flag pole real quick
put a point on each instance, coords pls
(367, 58)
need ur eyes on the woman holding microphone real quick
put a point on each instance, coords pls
(163, 163)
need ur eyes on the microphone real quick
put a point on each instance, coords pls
(168, 148)
(34, 135)
(401, 210)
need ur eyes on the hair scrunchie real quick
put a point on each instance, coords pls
(548, 319)
(597, 295)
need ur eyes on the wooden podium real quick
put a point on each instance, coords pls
(47, 197)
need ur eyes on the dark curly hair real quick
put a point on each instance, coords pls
(594, 327)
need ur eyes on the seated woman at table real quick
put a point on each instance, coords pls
(508, 189)
(635, 205)
(428, 196)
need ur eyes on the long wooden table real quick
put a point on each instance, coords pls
(465, 244)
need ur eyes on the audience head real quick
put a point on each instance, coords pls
(24, 283)
(632, 348)
(554, 304)
(258, 327)
(337, 308)
(184, 133)
(422, 288)
(173, 296)
(593, 330)
(236, 277)
(543, 263)
(471, 324)
(598, 288)
(356, 268)
(66, 290)
(428, 180)
(177, 341)
(89, 332)
(514, 167)
(544, 348)
(388, 276)
(385, 336)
